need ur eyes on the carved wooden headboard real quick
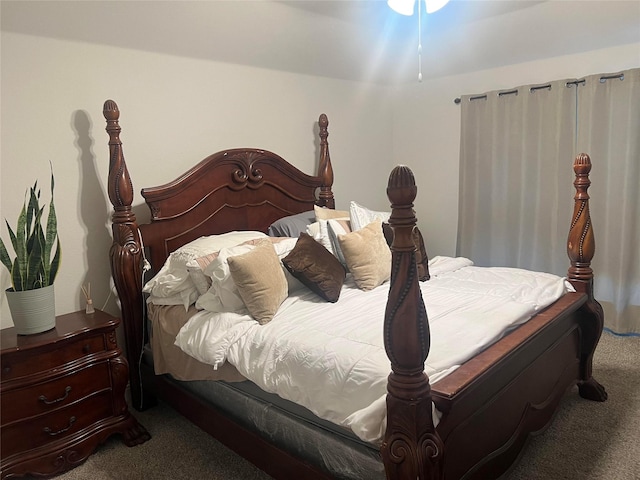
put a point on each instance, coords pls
(237, 189)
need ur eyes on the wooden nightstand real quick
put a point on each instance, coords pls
(62, 394)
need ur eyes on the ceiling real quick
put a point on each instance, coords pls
(360, 40)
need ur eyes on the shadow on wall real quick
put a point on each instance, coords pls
(95, 218)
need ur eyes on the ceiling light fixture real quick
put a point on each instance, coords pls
(406, 7)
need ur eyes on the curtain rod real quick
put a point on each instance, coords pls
(603, 79)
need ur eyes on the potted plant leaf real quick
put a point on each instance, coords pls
(34, 266)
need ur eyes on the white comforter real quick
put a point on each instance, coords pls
(330, 358)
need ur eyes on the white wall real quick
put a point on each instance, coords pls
(174, 112)
(427, 128)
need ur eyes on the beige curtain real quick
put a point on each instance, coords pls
(516, 192)
(609, 131)
(516, 177)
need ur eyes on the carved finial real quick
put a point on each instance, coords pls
(581, 243)
(582, 159)
(401, 188)
(111, 114)
(120, 186)
(323, 121)
(405, 309)
(325, 170)
(110, 110)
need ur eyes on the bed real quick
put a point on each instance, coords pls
(471, 423)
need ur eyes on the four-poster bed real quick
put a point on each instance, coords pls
(487, 407)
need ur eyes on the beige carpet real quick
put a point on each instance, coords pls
(587, 440)
(591, 440)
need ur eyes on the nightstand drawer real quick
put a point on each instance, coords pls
(37, 431)
(44, 397)
(17, 364)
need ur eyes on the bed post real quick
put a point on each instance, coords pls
(126, 253)
(325, 170)
(412, 449)
(580, 248)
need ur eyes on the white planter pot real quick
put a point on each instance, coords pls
(32, 311)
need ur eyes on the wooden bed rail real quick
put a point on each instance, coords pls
(412, 447)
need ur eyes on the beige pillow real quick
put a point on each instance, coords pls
(367, 255)
(260, 280)
(323, 213)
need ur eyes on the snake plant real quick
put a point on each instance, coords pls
(36, 261)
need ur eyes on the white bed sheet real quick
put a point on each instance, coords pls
(330, 357)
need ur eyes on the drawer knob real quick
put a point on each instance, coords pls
(44, 399)
(86, 349)
(51, 433)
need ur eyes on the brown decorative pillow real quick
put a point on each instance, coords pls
(316, 267)
(260, 280)
(367, 255)
(422, 260)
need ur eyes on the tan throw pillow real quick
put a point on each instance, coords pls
(316, 267)
(367, 255)
(323, 213)
(260, 280)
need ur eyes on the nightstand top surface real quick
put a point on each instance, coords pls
(67, 326)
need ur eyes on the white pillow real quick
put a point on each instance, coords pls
(174, 276)
(185, 298)
(362, 216)
(223, 294)
(336, 227)
(201, 282)
(320, 232)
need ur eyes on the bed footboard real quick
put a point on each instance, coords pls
(525, 374)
